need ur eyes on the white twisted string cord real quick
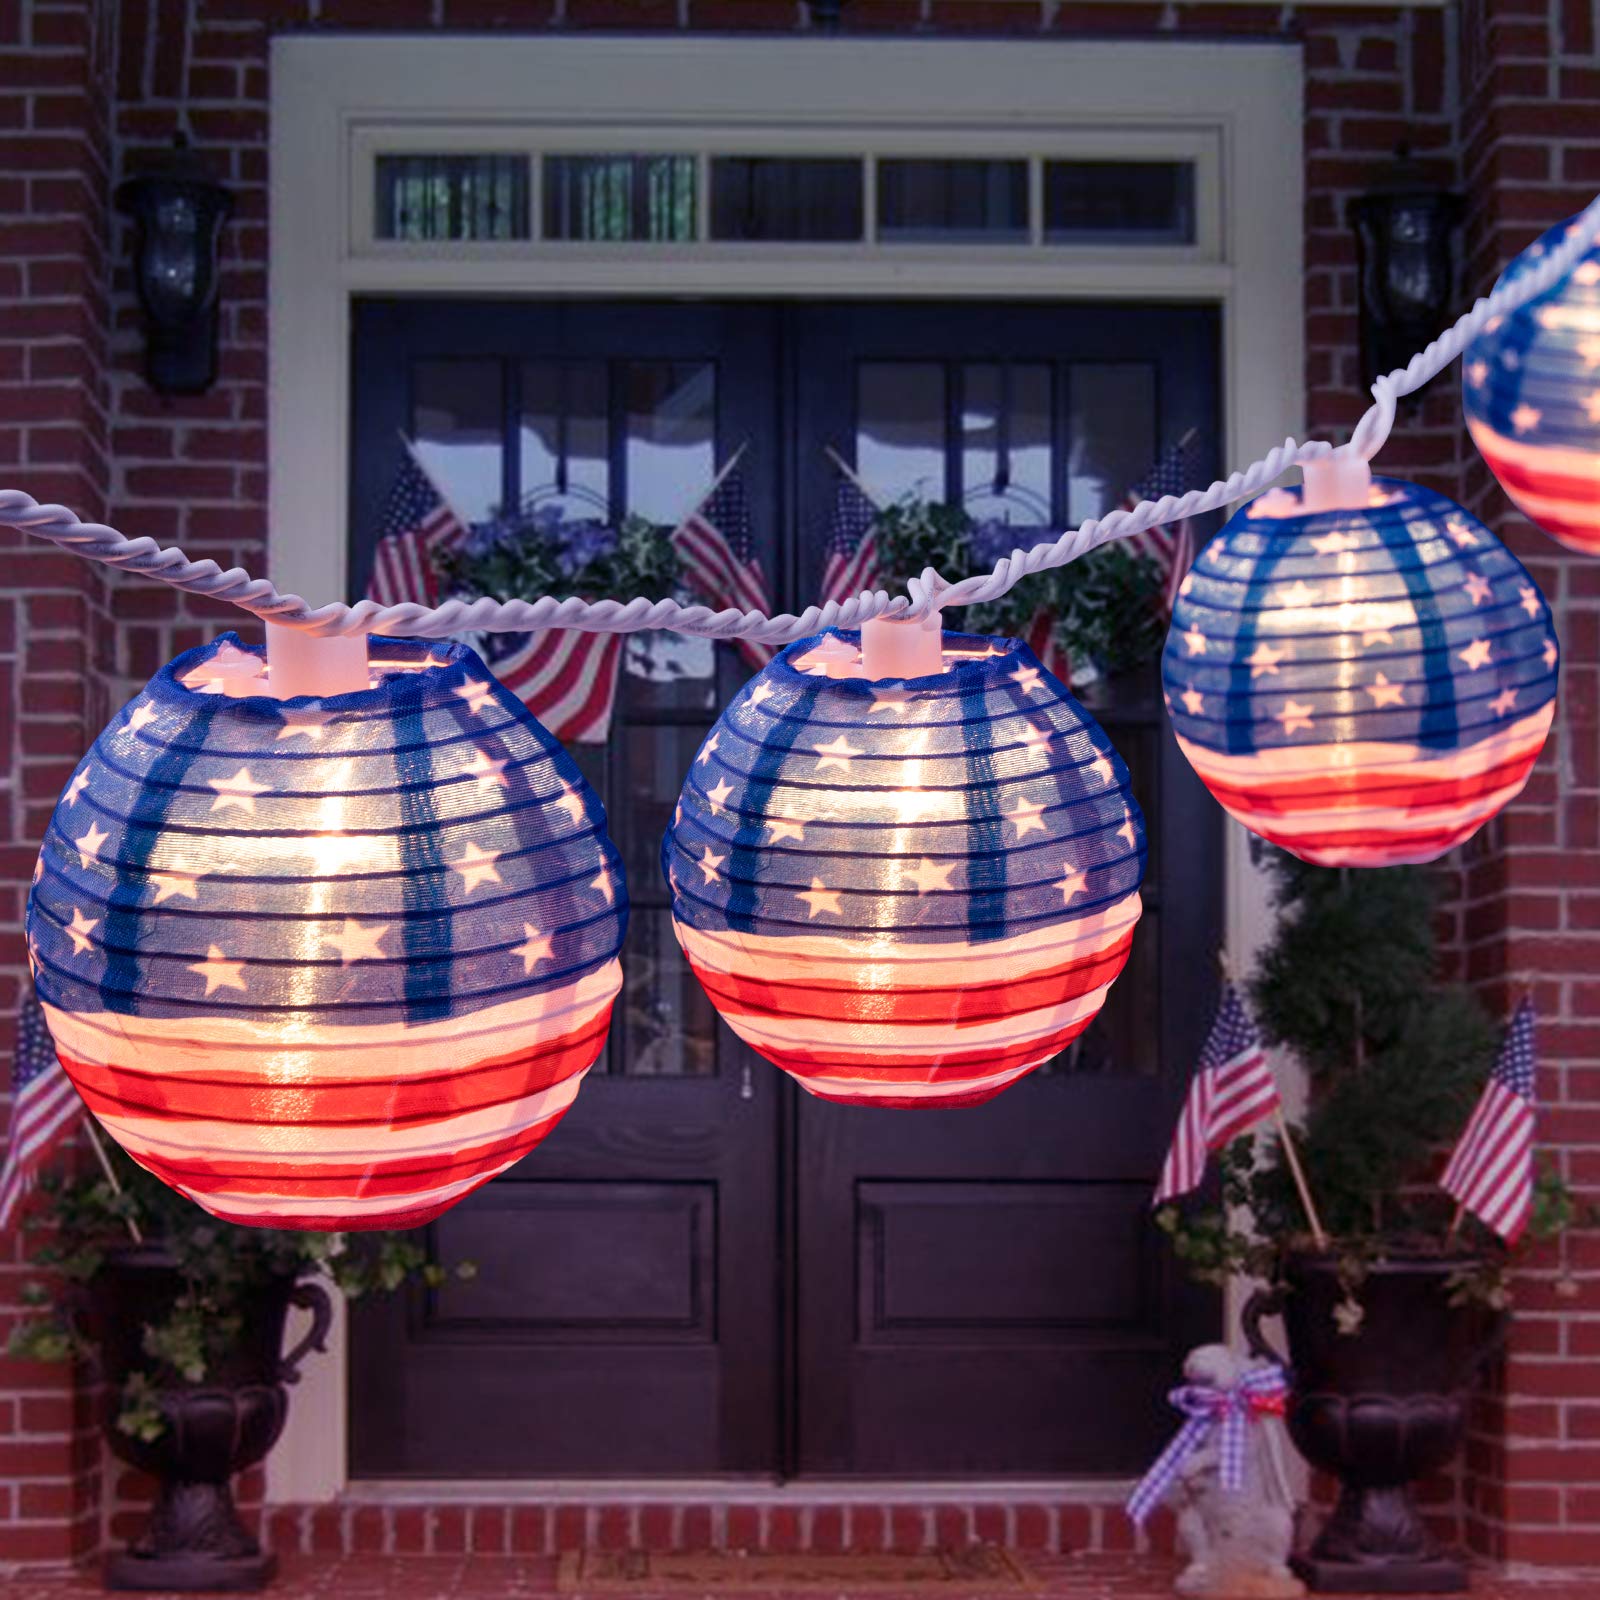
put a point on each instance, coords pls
(931, 591)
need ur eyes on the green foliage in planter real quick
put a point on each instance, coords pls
(220, 1264)
(521, 559)
(1396, 1059)
(1107, 605)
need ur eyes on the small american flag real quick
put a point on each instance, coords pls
(1047, 647)
(417, 525)
(44, 1108)
(1170, 544)
(719, 559)
(852, 563)
(1490, 1172)
(1233, 1090)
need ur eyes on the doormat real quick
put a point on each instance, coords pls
(980, 1569)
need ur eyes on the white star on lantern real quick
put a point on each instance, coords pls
(1193, 700)
(1035, 737)
(930, 875)
(1591, 405)
(718, 796)
(142, 717)
(1335, 543)
(1551, 654)
(709, 748)
(1385, 693)
(1476, 654)
(1463, 536)
(1294, 715)
(240, 790)
(1195, 641)
(476, 693)
(489, 772)
(1503, 702)
(1478, 588)
(895, 700)
(1297, 596)
(218, 971)
(1264, 659)
(80, 782)
(1586, 273)
(1589, 349)
(1128, 833)
(89, 844)
(1101, 767)
(1028, 816)
(762, 692)
(1528, 598)
(602, 881)
(820, 900)
(709, 862)
(836, 753)
(1525, 417)
(476, 866)
(303, 725)
(1477, 373)
(535, 947)
(356, 942)
(1027, 679)
(80, 930)
(175, 885)
(1072, 883)
(571, 802)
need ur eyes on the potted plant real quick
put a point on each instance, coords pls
(183, 1318)
(1390, 1319)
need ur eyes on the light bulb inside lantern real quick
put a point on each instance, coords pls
(1364, 685)
(1531, 393)
(328, 963)
(906, 891)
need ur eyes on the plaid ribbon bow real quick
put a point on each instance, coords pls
(1257, 1394)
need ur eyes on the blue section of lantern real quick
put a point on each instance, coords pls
(1534, 377)
(937, 773)
(258, 827)
(1411, 587)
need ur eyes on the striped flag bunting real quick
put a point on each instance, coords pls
(1233, 1089)
(567, 679)
(719, 562)
(852, 555)
(44, 1108)
(1490, 1172)
(417, 525)
(328, 965)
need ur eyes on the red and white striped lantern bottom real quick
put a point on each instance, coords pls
(898, 1024)
(1556, 488)
(303, 1125)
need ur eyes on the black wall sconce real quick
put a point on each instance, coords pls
(179, 210)
(1405, 231)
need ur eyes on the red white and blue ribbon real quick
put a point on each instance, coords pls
(1260, 1393)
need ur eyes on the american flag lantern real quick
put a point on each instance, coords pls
(1364, 685)
(906, 888)
(1531, 393)
(327, 962)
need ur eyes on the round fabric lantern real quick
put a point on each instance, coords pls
(1364, 687)
(1531, 392)
(906, 892)
(327, 963)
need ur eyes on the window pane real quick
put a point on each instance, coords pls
(456, 423)
(1005, 443)
(566, 414)
(620, 198)
(900, 429)
(668, 1026)
(1119, 202)
(1113, 434)
(949, 202)
(452, 197)
(798, 198)
(671, 412)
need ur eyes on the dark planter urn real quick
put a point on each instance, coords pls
(1378, 1410)
(194, 1539)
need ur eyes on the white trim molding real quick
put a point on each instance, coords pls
(1232, 109)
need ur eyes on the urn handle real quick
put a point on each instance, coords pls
(1262, 1304)
(310, 1297)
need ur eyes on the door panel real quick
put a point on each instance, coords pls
(704, 1270)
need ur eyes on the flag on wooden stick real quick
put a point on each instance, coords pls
(1490, 1172)
(417, 526)
(852, 559)
(718, 554)
(44, 1108)
(1170, 544)
(1233, 1089)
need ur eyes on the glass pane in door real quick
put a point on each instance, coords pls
(456, 426)
(1006, 460)
(564, 439)
(1113, 433)
(900, 429)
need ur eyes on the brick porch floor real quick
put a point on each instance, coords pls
(420, 1577)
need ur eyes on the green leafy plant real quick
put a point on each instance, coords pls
(1106, 605)
(1396, 1059)
(84, 1218)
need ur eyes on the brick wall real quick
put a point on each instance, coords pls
(1475, 93)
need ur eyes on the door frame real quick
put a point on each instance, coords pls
(1235, 108)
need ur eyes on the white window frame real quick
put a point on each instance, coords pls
(1235, 108)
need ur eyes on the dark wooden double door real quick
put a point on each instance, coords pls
(705, 1271)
